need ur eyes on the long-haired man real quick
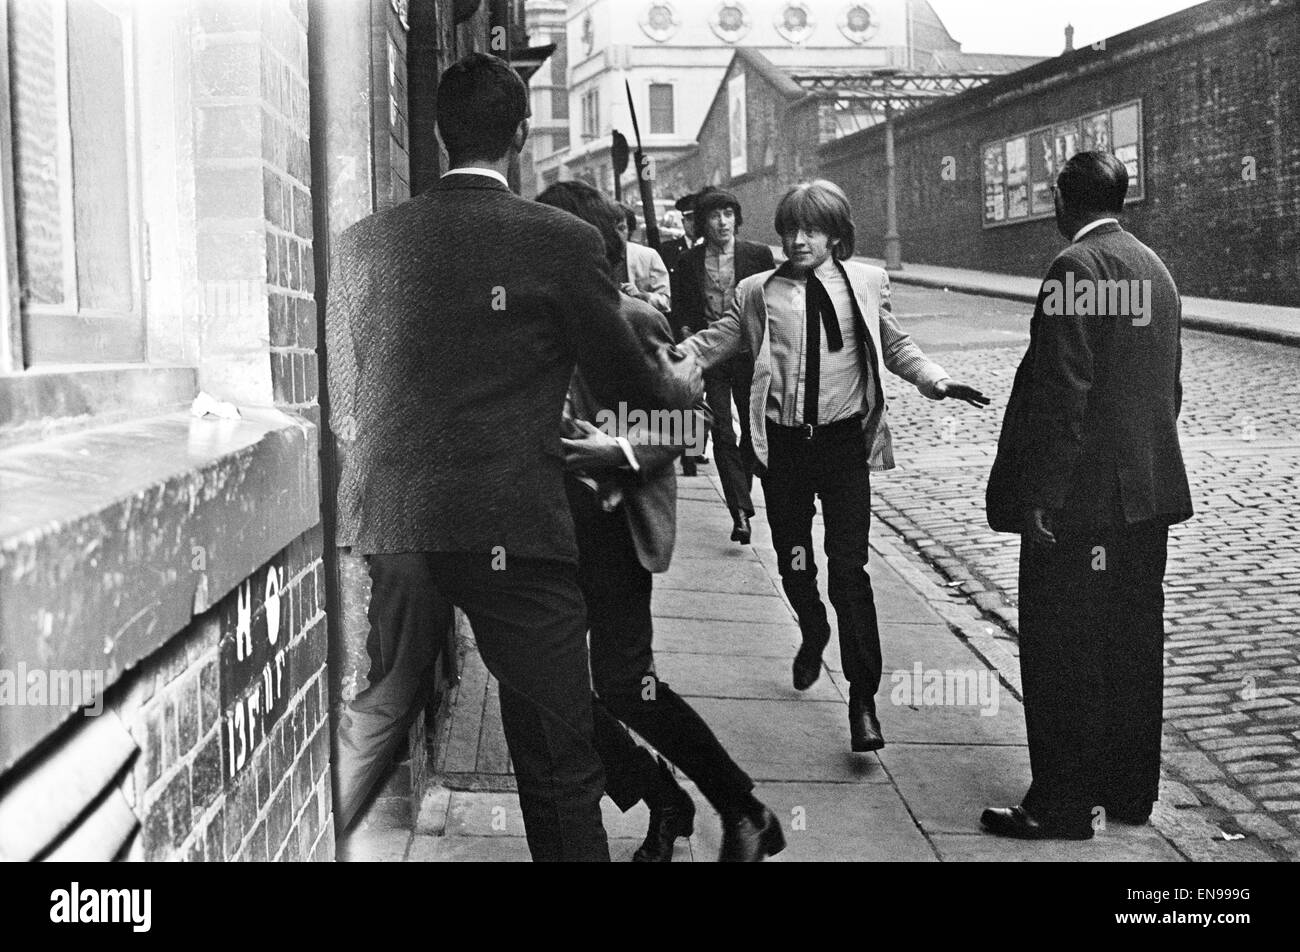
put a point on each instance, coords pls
(823, 333)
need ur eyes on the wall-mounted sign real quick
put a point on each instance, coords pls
(739, 130)
(256, 680)
(1019, 171)
(858, 22)
(795, 22)
(730, 21)
(660, 22)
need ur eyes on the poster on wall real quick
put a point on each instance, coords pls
(1042, 172)
(1017, 178)
(1126, 138)
(1096, 133)
(994, 177)
(1020, 170)
(1067, 142)
(739, 132)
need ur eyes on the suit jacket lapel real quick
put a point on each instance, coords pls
(866, 344)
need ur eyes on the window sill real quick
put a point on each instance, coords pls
(37, 403)
(112, 539)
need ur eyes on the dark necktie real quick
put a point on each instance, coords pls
(820, 313)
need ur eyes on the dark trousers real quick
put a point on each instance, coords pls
(617, 589)
(832, 466)
(725, 385)
(530, 626)
(1091, 663)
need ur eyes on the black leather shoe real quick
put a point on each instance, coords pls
(1017, 823)
(747, 841)
(864, 729)
(740, 531)
(672, 815)
(807, 666)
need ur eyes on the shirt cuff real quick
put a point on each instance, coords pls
(627, 451)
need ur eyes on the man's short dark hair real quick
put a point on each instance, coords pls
(821, 206)
(481, 102)
(1093, 182)
(590, 204)
(712, 199)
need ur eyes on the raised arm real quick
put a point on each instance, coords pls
(901, 354)
(617, 366)
(722, 339)
(654, 455)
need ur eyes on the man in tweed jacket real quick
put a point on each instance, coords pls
(818, 421)
(454, 324)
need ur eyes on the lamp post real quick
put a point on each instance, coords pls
(893, 242)
(897, 90)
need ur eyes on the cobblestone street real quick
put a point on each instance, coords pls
(1232, 678)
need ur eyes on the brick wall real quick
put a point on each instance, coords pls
(231, 718)
(392, 119)
(1217, 85)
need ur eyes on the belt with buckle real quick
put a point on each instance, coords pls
(808, 432)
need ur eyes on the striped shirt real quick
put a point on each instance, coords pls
(844, 387)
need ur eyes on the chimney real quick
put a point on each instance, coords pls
(1069, 37)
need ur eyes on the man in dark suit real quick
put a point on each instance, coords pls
(623, 493)
(1090, 473)
(705, 279)
(454, 323)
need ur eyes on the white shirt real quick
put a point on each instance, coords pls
(1094, 224)
(842, 384)
(489, 173)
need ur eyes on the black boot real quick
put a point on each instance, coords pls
(672, 814)
(864, 727)
(808, 661)
(751, 837)
(740, 531)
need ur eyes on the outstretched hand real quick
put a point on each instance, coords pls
(952, 390)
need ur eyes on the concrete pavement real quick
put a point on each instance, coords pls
(1264, 322)
(725, 639)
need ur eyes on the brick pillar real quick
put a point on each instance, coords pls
(253, 188)
(258, 341)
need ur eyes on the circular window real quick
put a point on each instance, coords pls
(730, 22)
(858, 22)
(660, 22)
(795, 23)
